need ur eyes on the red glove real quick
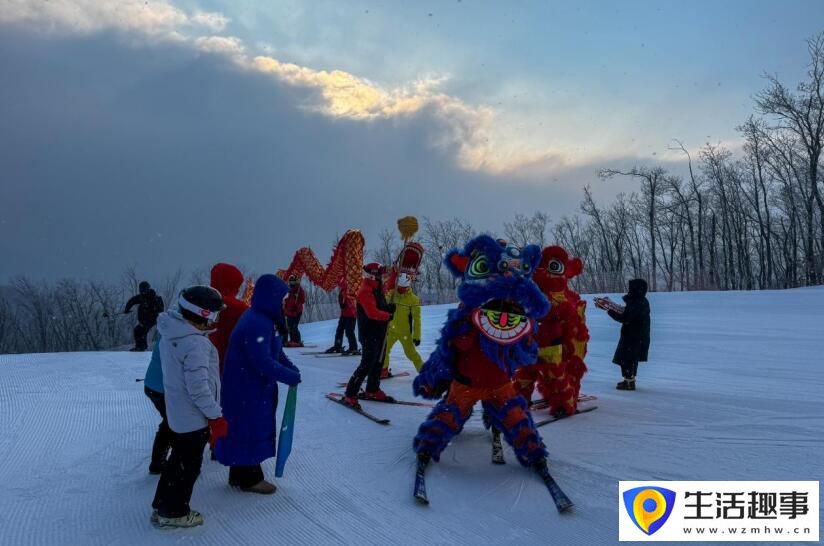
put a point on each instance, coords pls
(218, 428)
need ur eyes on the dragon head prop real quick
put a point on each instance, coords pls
(556, 268)
(497, 288)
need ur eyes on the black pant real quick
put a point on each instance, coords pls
(163, 436)
(174, 490)
(245, 476)
(346, 325)
(629, 369)
(141, 332)
(370, 364)
(292, 324)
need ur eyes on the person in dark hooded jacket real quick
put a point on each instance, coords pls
(633, 346)
(255, 364)
(226, 279)
(149, 306)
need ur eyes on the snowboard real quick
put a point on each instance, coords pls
(287, 428)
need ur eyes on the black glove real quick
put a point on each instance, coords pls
(416, 342)
(391, 308)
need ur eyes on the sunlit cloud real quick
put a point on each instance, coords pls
(224, 45)
(155, 19)
(475, 133)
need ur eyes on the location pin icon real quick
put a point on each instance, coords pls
(648, 508)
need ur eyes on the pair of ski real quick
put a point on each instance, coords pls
(543, 404)
(563, 416)
(391, 376)
(338, 397)
(561, 500)
(324, 354)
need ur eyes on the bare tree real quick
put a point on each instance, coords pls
(524, 230)
(802, 114)
(652, 186)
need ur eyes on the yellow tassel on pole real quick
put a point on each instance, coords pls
(408, 226)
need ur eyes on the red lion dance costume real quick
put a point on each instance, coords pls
(562, 335)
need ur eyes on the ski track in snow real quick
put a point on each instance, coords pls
(734, 391)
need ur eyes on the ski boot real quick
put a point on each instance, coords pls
(192, 519)
(377, 396)
(351, 352)
(386, 373)
(351, 401)
(627, 384)
(420, 477)
(541, 466)
(333, 350)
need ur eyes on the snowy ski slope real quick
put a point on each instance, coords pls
(734, 391)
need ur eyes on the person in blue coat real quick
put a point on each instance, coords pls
(255, 364)
(153, 387)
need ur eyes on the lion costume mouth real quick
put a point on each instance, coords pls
(502, 321)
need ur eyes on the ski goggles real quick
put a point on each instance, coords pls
(210, 316)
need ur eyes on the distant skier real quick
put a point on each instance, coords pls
(191, 382)
(293, 307)
(153, 388)
(149, 306)
(373, 316)
(346, 325)
(633, 345)
(226, 279)
(405, 326)
(255, 364)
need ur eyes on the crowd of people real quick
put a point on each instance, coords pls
(213, 378)
(216, 363)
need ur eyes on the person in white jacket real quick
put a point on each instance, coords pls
(191, 381)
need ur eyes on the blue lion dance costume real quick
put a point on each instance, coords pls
(484, 341)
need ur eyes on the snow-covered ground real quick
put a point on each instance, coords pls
(734, 391)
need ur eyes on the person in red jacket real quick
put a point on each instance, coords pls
(227, 280)
(293, 309)
(374, 315)
(346, 325)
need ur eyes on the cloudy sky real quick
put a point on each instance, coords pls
(176, 133)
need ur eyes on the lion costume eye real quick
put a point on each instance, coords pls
(556, 267)
(478, 268)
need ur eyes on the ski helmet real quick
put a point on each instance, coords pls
(143, 287)
(200, 304)
(374, 270)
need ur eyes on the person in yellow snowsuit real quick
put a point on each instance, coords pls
(405, 325)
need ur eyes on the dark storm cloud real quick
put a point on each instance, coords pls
(114, 154)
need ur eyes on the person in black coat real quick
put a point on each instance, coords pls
(149, 306)
(633, 346)
(374, 315)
